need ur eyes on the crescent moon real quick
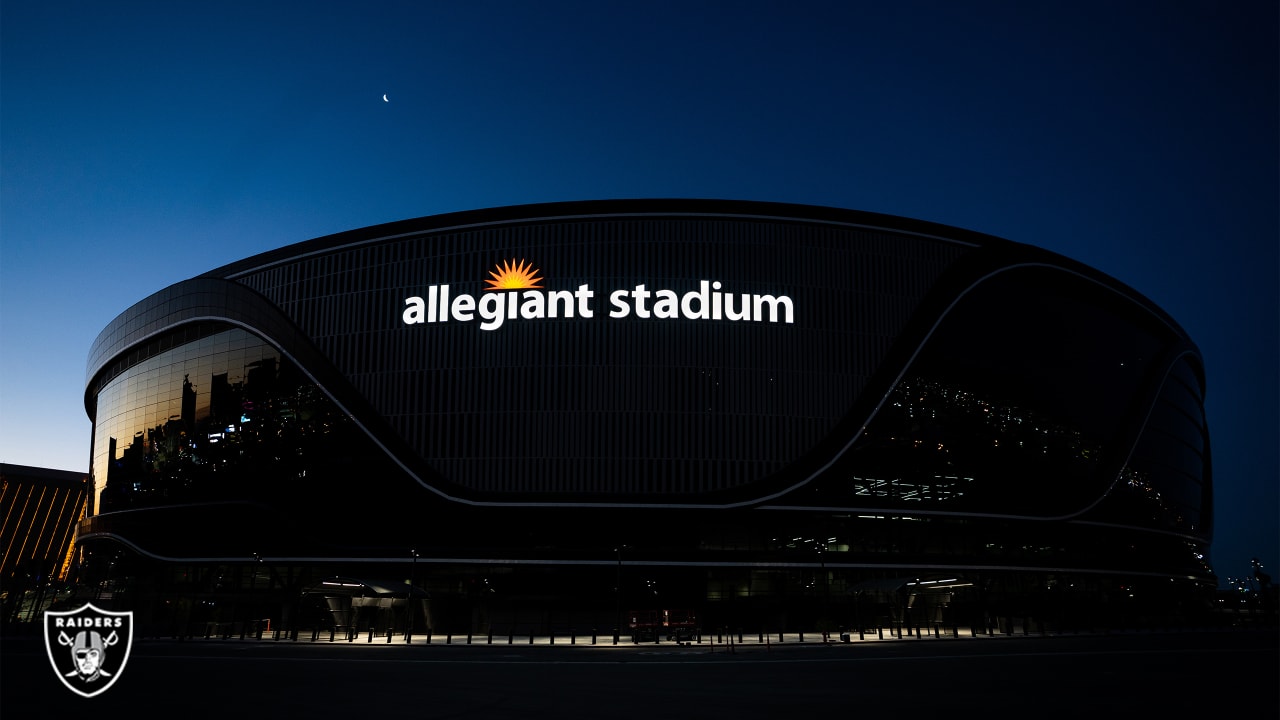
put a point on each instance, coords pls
(384, 98)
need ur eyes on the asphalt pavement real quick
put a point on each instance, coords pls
(1175, 675)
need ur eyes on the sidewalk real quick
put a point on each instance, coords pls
(705, 639)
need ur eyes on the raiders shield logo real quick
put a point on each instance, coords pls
(88, 647)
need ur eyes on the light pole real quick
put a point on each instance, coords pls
(824, 620)
(253, 587)
(617, 592)
(408, 593)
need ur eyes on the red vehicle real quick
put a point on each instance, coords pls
(653, 625)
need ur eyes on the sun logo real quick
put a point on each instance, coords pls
(510, 276)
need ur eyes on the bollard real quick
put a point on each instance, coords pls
(531, 637)
(880, 632)
(468, 637)
(761, 640)
(489, 637)
(333, 631)
(573, 636)
(448, 638)
(551, 637)
(428, 636)
(408, 636)
(370, 633)
(615, 636)
(801, 636)
(315, 634)
(511, 636)
(780, 640)
(860, 635)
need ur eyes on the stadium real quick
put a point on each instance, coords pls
(574, 415)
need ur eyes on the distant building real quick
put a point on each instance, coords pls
(39, 509)
(768, 413)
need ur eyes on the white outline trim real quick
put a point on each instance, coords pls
(757, 501)
(111, 680)
(656, 215)
(611, 562)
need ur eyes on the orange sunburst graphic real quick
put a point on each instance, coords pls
(510, 276)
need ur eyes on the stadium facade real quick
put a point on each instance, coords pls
(766, 414)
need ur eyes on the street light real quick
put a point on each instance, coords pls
(617, 592)
(408, 593)
(253, 589)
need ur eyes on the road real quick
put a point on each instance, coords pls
(1184, 674)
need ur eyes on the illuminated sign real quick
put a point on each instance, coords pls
(514, 292)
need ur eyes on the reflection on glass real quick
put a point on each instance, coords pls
(1166, 482)
(1030, 408)
(935, 444)
(226, 416)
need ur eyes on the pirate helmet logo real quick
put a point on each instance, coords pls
(88, 647)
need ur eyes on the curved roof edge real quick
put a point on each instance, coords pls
(616, 208)
(587, 209)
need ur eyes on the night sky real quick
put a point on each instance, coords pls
(144, 143)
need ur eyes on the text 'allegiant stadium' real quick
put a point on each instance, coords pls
(495, 308)
(514, 292)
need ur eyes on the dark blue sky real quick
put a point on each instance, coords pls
(143, 143)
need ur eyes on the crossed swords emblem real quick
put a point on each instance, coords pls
(112, 639)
